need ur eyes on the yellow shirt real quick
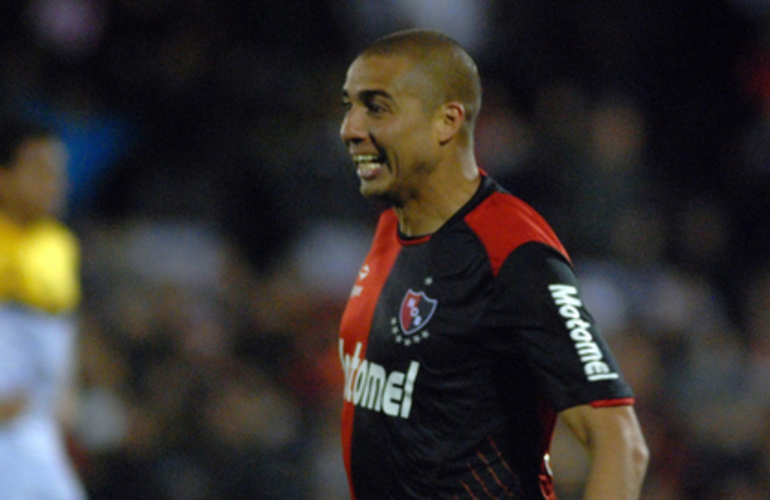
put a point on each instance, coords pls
(39, 265)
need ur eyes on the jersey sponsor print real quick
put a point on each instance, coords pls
(591, 355)
(369, 385)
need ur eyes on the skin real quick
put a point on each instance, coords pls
(430, 171)
(32, 186)
(614, 441)
(10, 408)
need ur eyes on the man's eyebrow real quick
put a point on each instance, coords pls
(367, 95)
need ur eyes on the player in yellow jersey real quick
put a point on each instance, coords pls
(39, 294)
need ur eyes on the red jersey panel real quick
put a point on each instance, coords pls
(371, 278)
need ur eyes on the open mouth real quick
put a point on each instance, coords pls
(368, 165)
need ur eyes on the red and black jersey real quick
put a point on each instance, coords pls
(459, 349)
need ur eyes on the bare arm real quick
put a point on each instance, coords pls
(616, 447)
(10, 408)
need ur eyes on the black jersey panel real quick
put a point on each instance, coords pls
(459, 438)
(536, 312)
(426, 323)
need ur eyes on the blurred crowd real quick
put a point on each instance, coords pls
(222, 227)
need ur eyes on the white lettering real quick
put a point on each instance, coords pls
(393, 394)
(375, 386)
(578, 323)
(588, 351)
(597, 367)
(569, 312)
(349, 366)
(359, 387)
(411, 376)
(369, 385)
(565, 296)
(580, 335)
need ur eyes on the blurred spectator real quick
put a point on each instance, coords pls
(39, 298)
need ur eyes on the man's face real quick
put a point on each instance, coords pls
(387, 129)
(35, 184)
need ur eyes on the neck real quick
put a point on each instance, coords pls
(439, 201)
(20, 217)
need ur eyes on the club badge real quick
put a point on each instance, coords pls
(416, 310)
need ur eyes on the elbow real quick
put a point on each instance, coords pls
(640, 455)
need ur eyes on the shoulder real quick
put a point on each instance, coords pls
(504, 222)
(55, 229)
(54, 238)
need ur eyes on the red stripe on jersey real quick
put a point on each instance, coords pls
(359, 311)
(503, 222)
(606, 403)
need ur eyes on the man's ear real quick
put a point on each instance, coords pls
(451, 117)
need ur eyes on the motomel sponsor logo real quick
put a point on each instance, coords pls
(370, 386)
(565, 296)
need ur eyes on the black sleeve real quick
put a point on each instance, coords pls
(536, 314)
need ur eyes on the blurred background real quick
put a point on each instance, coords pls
(222, 226)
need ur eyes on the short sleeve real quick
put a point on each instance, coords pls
(536, 314)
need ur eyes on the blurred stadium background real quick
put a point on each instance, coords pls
(222, 226)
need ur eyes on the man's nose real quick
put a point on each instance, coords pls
(352, 129)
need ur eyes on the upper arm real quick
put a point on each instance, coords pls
(595, 428)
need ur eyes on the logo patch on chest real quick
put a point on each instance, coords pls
(416, 311)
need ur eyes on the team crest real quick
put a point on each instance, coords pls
(416, 310)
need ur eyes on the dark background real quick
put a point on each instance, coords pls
(222, 226)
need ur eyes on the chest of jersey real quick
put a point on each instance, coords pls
(411, 331)
(430, 305)
(418, 369)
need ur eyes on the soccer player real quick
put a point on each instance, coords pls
(39, 292)
(465, 335)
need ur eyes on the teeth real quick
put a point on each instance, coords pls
(359, 159)
(368, 166)
(367, 163)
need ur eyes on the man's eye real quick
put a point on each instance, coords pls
(375, 108)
